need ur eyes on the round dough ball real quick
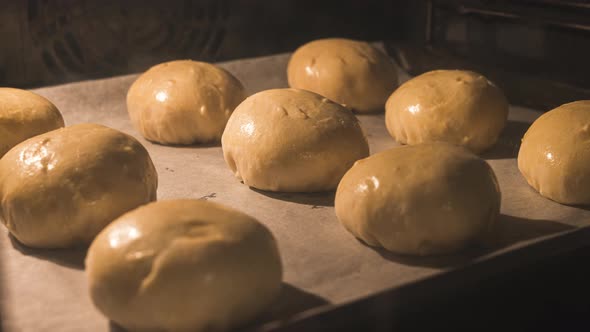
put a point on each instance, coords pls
(183, 102)
(293, 141)
(350, 72)
(183, 265)
(24, 114)
(554, 156)
(427, 199)
(61, 188)
(454, 106)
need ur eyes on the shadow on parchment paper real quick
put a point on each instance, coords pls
(72, 258)
(509, 230)
(290, 302)
(314, 200)
(509, 142)
(582, 207)
(113, 327)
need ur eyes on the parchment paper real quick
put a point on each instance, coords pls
(45, 290)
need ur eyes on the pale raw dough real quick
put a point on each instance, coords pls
(59, 189)
(427, 199)
(453, 106)
(349, 72)
(554, 156)
(183, 102)
(183, 265)
(24, 114)
(292, 140)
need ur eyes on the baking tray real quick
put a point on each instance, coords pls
(326, 270)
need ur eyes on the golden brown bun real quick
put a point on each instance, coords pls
(349, 72)
(183, 265)
(292, 140)
(183, 102)
(554, 156)
(59, 189)
(24, 114)
(426, 199)
(454, 106)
